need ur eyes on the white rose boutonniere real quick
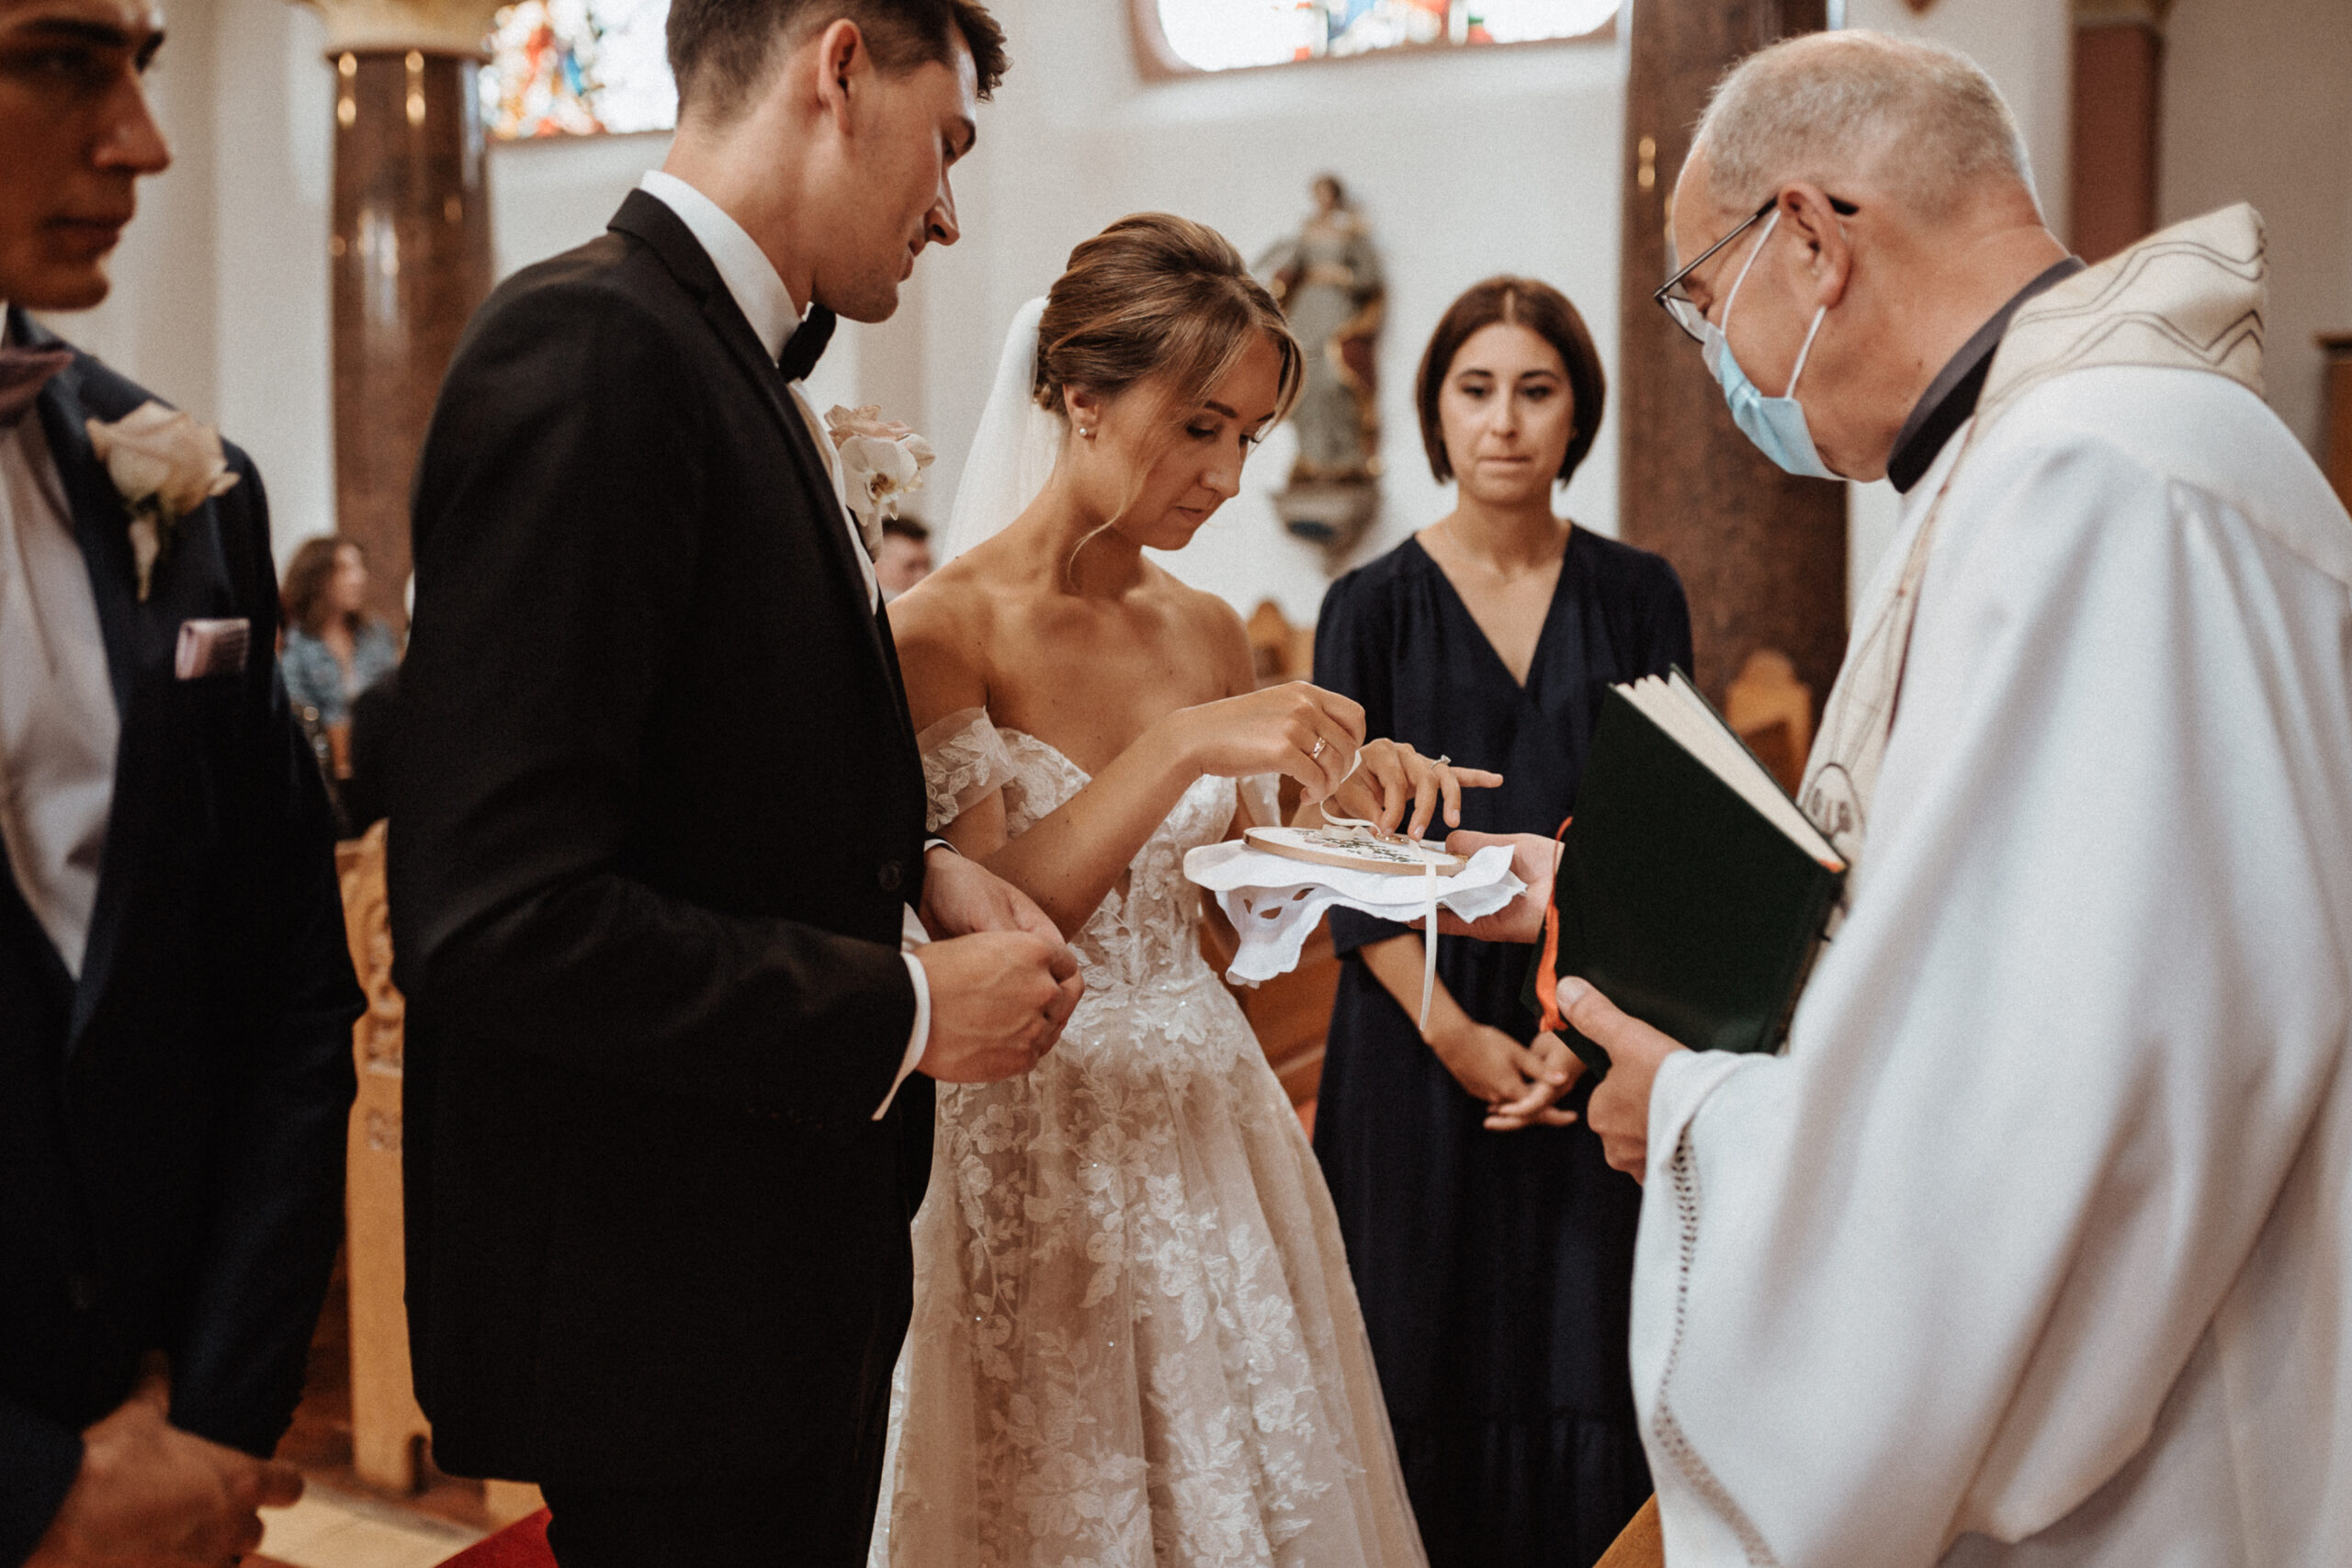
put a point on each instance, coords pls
(882, 463)
(165, 465)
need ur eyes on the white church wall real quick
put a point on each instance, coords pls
(547, 197)
(220, 303)
(157, 324)
(273, 211)
(2027, 47)
(2257, 106)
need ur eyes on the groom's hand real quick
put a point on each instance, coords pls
(961, 897)
(149, 1496)
(997, 1003)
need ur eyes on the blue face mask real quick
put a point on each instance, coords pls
(1776, 424)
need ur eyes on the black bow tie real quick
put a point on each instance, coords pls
(807, 345)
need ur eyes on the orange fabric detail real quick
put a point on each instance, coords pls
(1547, 980)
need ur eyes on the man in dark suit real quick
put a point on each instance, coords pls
(175, 994)
(658, 821)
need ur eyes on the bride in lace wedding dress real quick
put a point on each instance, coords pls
(1134, 1341)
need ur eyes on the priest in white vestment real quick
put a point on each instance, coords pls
(2035, 1247)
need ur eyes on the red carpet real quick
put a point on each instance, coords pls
(523, 1544)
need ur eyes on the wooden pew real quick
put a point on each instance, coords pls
(389, 1432)
(1771, 710)
(1279, 650)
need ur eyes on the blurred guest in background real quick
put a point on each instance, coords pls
(1491, 1244)
(335, 649)
(906, 556)
(364, 793)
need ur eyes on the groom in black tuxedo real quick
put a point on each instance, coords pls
(175, 994)
(658, 823)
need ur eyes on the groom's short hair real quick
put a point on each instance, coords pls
(720, 49)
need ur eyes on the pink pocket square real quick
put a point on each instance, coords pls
(212, 648)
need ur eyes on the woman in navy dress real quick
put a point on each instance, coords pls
(1492, 1246)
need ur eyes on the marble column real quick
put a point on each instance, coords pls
(411, 249)
(2336, 427)
(2119, 91)
(1762, 554)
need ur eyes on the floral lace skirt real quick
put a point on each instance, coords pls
(1134, 1341)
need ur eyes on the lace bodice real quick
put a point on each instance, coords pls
(1145, 927)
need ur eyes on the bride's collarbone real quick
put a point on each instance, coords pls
(1092, 721)
(1089, 678)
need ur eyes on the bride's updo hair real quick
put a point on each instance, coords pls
(1157, 295)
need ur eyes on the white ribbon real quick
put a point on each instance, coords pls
(1429, 872)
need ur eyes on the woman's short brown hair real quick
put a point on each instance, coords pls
(1542, 310)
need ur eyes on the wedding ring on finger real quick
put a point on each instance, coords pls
(1319, 744)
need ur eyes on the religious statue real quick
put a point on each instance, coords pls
(1327, 279)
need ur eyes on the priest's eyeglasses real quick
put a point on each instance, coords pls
(1685, 310)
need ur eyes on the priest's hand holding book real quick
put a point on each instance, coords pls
(1620, 1107)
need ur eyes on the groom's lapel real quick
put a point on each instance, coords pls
(136, 636)
(648, 219)
(101, 524)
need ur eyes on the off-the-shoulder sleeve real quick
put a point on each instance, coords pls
(1666, 623)
(963, 759)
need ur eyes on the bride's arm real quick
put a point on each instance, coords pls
(1069, 861)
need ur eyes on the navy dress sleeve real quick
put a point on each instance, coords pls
(1664, 618)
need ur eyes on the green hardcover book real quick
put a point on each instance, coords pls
(1692, 891)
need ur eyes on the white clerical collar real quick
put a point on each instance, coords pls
(750, 276)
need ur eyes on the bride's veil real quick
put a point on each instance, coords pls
(1016, 446)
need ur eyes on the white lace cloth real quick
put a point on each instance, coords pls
(1274, 902)
(1136, 1344)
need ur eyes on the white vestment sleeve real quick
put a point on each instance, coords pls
(1937, 1269)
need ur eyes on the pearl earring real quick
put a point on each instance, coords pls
(1086, 431)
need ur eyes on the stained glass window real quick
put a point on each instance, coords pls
(562, 67)
(1221, 35)
(572, 66)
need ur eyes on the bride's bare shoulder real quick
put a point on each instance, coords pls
(1215, 628)
(953, 601)
(943, 626)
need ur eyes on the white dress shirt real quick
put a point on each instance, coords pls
(57, 723)
(768, 304)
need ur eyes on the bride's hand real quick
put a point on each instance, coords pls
(1395, 776)
(1298, 729)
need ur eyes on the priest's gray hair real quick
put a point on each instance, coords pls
(1918, 118)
